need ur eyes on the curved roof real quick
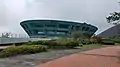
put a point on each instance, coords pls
(27, 21)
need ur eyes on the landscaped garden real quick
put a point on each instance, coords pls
(73, 42)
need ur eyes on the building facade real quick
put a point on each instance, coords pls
(55, 28)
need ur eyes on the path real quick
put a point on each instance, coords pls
(104, 57)
(34, 59)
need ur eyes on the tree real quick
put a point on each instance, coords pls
(6, 35)
(114, 18)
(87, 35)
(76, 35)
(96, 39)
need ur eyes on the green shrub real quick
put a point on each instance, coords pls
(116, 40)
(71, 44)
(34, 43)
(107, 42)
(52, 43)
(40, 42)
(24, 49)
(92, 45)
(96, 39)
(58, 43)
(65, 43)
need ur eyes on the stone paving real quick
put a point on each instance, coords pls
(104, 57)
(34, 59)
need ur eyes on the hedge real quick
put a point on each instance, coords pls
(20, 50)
(59, 43)
(63, 43)
(116, 40)
(107, 42)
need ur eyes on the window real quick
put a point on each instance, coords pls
(87, 28)
(51, 32)
(62, 32)
(36, 25)
(40, 32)
(83, 28)
(50, 25)
(77, 27)
(63, 26)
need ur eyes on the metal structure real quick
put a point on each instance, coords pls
(55, 28)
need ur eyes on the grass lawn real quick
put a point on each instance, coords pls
(92, 45)
(89, 45)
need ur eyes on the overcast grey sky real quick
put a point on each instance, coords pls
(12, 12)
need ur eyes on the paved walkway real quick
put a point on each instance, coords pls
(104, 57)
(33, 60)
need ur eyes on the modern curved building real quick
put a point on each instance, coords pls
(55, 28)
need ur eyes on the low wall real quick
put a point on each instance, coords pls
(19, 40)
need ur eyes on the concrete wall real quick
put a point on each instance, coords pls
(19, 40)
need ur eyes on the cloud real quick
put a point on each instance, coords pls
(92, 11)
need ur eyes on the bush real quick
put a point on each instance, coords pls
(58, 43)
(35, 42)
(116, 40)
(71, 44)
(107, 42)
(24, 49)
(92, 45)
(96, 39)
(41, 42)
(65, 43)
